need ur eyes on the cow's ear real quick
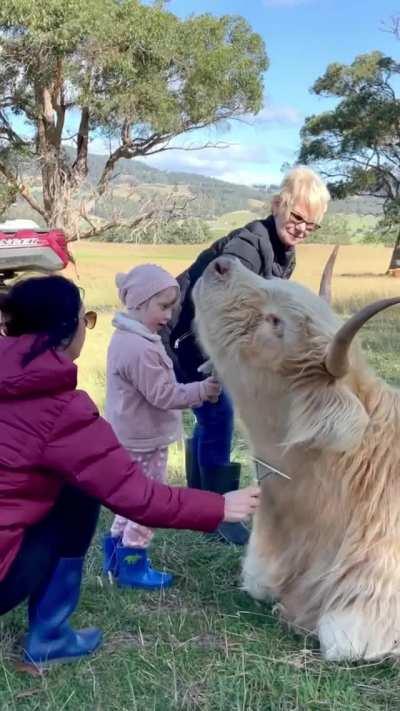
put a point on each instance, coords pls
(326, 417)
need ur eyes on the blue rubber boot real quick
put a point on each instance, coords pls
(110, 544)
(135, 571)
(50, 638)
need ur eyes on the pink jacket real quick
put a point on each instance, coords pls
(143, 397)
(51, 434)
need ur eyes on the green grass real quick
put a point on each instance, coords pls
(204, 644)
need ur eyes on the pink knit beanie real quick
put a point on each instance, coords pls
(141, 283)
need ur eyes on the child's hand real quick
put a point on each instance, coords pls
(239, 505)
(212, 389)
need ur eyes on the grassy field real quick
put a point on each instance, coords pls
(359, 277)
(230, 221)
(203, 644)
(349, 228)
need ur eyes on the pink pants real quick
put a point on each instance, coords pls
(154, 465)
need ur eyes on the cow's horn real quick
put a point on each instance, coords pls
(325, 290)
(337, 360)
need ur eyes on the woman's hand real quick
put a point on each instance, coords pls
(240, 505)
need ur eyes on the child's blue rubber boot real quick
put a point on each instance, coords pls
(134, 570)
(110, 544)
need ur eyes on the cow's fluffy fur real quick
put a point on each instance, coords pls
(327, 543)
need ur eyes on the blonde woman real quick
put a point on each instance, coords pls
(267, 247)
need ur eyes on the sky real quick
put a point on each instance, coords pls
(302, 37)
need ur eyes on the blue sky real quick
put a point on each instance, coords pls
(302, 37)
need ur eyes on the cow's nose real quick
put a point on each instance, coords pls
(222, 266)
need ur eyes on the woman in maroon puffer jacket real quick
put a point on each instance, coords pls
(59, 460)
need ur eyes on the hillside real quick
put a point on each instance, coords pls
(134, 182)
(224, 196)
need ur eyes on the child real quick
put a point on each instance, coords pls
(143, 399)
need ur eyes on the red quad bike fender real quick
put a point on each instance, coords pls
(24, 250)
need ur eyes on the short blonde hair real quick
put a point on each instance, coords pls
(301, 184)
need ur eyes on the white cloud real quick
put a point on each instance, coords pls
(244, 163)
(237, 164)
(252, 177)
(217, 159)
(282, 115)
(276, 115)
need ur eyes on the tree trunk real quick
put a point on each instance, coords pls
(50, 111)
(48, 150)
(80, 165)
(394, 266)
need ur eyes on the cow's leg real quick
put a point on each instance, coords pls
(353, 634)
(258, 573)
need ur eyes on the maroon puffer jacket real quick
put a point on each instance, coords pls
(52, 434)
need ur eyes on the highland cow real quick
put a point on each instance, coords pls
(325, 541)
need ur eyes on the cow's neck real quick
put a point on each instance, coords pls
(265, 424)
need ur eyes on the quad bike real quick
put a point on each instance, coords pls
(30, 249)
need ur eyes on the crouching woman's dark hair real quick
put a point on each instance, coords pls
(48, 306)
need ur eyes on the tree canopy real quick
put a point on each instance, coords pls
(130, 72)
(357, 143)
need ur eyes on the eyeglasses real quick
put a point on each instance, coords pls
(298, 220)
(90, 319)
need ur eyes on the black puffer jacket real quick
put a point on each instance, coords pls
(259, 248)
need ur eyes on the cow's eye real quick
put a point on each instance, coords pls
(274, 320)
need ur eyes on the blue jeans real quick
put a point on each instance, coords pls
(213, 431)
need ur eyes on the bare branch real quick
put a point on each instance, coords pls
(99, 229)
(394, 26)
(122, 152)
(23, 190)
(8, 132)
(88, 220)
(129, 148)
(133, 147)
(221, 145)
(162, 214)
